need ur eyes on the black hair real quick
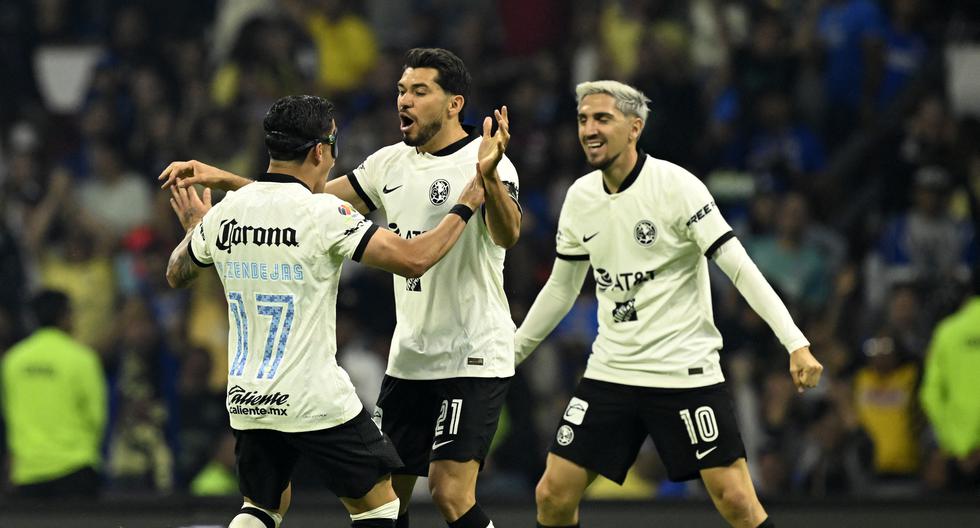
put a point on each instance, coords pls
(50, 307)
(295, 124)
(452, 75)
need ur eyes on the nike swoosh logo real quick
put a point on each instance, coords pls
(440, 444)
(386, 190)
(701, 455)
(590, 237)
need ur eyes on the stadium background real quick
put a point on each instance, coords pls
(827, 130)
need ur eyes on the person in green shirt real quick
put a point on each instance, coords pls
(949, 390)
(53, 393)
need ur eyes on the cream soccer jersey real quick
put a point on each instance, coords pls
(278, 250)
(647, 245)
(454, 321)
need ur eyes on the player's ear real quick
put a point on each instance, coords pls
(456, 103)
(318, 153)
(636, 128)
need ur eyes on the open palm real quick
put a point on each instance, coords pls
(492, 147)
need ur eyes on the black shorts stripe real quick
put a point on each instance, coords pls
(718, 243)
(360, 191)
(572, 257)
(190, 253)
(362, 245)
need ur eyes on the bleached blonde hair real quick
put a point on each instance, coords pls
(629, 100)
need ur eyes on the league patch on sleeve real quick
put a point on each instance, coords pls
(575, 412)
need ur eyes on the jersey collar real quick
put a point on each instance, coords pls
(453, 147)
(275, 177)
(641, 158)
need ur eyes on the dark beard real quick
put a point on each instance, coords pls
(606, 165)
(426, 132)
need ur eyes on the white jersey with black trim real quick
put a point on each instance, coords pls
(454, 321)
(647, 245)
(278, 250)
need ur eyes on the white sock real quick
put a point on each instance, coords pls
(244, 520)
(247, 520)
(385, 511)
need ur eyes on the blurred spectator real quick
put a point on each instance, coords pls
(849, 32)
(116, 199)
(663, 71)
(791, 261)
(904, 49)
(925, 139)
(14, 278)
(144, 374)
(835, 458)
(261, 66)
(782, 150)
(202, 416)
(54, 406)
(885, 401)
(72, 258)
(346, 46)
(926, 246)
(949, 392)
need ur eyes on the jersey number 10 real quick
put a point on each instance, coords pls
(281, 309)
(707, 426)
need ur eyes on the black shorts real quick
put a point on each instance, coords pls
(446, 419)
(605, 424)
(351, 458)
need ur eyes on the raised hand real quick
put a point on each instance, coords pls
(492, 147)
(190, 208)
(804, 368)
(193, 172)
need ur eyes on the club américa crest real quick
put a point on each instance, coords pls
(439, 192)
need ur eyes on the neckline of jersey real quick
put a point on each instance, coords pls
(641, 158)
(275, 177)
(453, 147)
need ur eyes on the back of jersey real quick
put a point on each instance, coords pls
(278, 250)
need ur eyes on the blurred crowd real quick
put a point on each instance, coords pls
(840, 137)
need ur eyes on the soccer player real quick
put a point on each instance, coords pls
(278, 250)
(647, 227)
(452, 352)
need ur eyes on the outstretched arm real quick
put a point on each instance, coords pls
(732, 258)
(188, 173)
(550, 306)
(503, 213)
(412, 258)
(190, 210)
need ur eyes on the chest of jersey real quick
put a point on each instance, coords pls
(630, 241)
(416, 196)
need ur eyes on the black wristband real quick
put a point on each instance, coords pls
(463, 211)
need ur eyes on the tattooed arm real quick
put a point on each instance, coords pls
(181, 271)
(182, 268)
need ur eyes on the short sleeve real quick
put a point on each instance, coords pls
(508, 175)
(198, 248)
(700, 220)
(344, 232)
(366, 178)
(567, 244)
